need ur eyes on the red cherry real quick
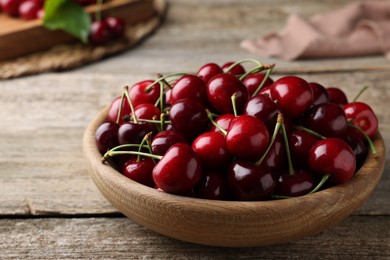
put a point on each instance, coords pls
(249, 182)
(114, 110)
(209, 70)
(100, 33)
(253, 81)
(362, 116)
(139, 171)
(211, 150)
(223, 121)
(10, 7)
(247, 137)
(147, 111)
(337, 96)
(276, 156)
(220, 89)
(133, 133)
(236, 70)
(300, 142)
(327, 119)
(116, 25)
(178, 171)
(189, 87)
(106, 136)
(298, 184)
(262, 107)
(320, 95)
(293, 95)
(143, 92)
(212, 186)
(165, 139)
(29, 9)
(357, 144)
(333, 157)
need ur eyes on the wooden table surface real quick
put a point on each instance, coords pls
(49, 206)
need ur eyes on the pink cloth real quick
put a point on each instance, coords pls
(358, 29)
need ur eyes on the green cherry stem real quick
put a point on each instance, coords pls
(118, 118)
(320, 184)
(267, 74)
(113, 153)
(279, 122)
(256, 70)
(302, 128)
(360, 93)
(210, 116)
(162, 121)
(286, 144)
(135, 119)
(144, 140)
(233, 98)
(98, 13)
(370, 143)
(163, 78)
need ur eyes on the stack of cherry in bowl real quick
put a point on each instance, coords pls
(227, 156)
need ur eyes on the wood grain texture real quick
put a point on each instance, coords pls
(43, 174)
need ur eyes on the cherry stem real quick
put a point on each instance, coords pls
(210, 116)
(153, 121)
(264, 80)
(310, 132)
(289, 160)
(279, 121)
(162, 121)
(135, 119)
(233, 98)
(370, 143)
(320, 184)
(149, 144)
(105, 156)
(256, 70)
(161, 79)
(98, 14)
(120, 108)
(164, 81)
(144, 140)
(360, 93)
(111, 153)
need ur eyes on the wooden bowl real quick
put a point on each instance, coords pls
(230, 223)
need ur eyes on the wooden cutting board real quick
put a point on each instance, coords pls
(19, 37)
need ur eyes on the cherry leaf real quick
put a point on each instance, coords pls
(68, 16)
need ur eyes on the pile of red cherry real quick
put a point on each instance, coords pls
(102, 31)
(230, 134)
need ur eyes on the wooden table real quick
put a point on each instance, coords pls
(49, 206)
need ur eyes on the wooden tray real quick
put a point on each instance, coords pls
(19, 37)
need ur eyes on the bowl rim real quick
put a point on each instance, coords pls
(339, 202)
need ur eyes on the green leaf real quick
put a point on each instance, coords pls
(68, 16)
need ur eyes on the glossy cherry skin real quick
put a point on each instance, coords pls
(209, 70)
(247, 137)
(276, 156)
(212, 150)
(189, 87)
(139, 171)
(320, 95)
(358, 146)
(10, 7)
(143, 92)
(253, 81)
(116, 25)
(29, 9)
(300, 143)
(298, 184)
(114, 110)
(106, 136)
(147, 111)
(189, 117)
(220, 89)
(337, 96)
(212, 186)
(223, 121)
(249, 182)
(236, 70)
(327, 119)
(179, 170)
(333, 157)
(262, 107)
(293, 95)
(100, 33)
(133, 133)
(165, 139)
(362, 116)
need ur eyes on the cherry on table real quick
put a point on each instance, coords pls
(100, 33)
(320, 95)
(10, 7)
(147, 111)
(113, 110)
(253, 81)
(189, 87)
(106, 136)
(29, 9)
(165, 139)
(139, 170)
(116, 25)
(209, 70)
(144, 92)
(235, 71)
(337, 96)
(362, 116)
(179, 170)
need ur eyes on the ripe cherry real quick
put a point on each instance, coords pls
(293, 95)
(114, 109)
(357, 144)
(298, 184)
(212, 186)
(327, 119)
(29, 9)
(276, 156)
(189, 87)
(106, 136)
(262, 107)
(253, 81)
(300, 143)
(247, 137)
(211, 150)
(147, 111)
(178, 171)
(361, 115)
(144, 92)
(333, 157)
(209, 70)
(320, 95)
(223, 121)
(100, 33)
(236, 70)
(337, 96)
(165, 139)
(10, 7)
(188, 117)
(133, 133)
(139, 170)
(116, 26)
(220, 89)
(249, 182)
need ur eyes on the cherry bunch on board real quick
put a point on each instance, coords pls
(25, 9)
(229, 133)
